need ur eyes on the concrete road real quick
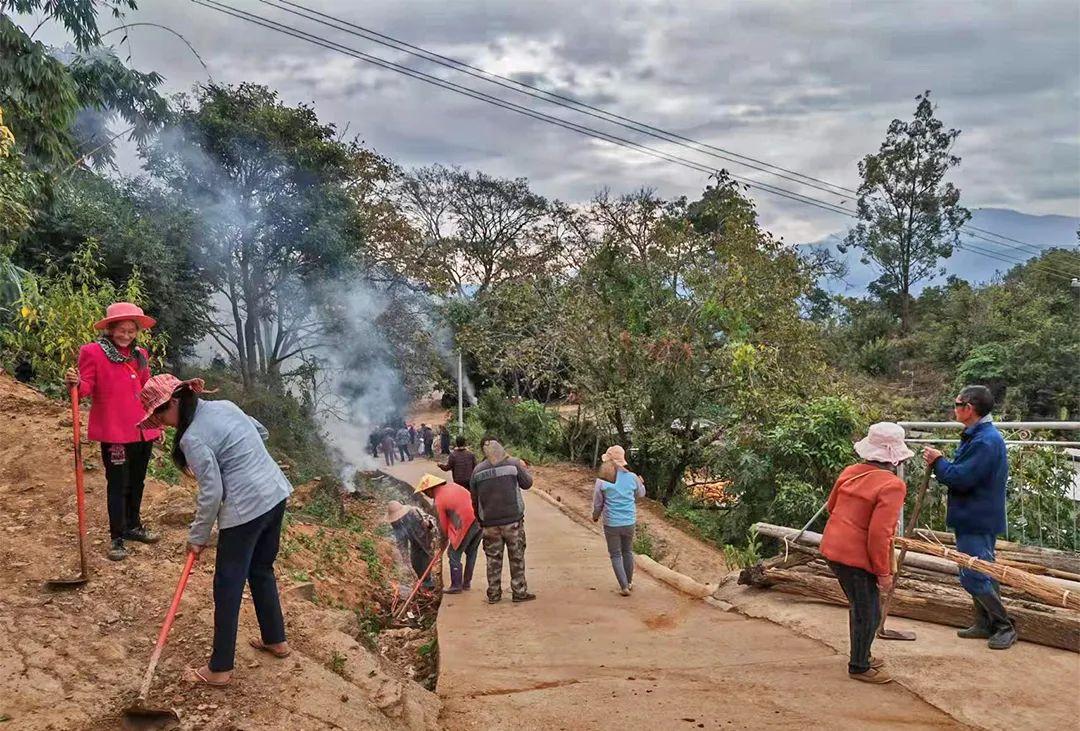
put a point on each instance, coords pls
(583, 657)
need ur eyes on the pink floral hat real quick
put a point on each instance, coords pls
(159, 390)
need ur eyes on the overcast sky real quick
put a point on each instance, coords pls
(808, 86)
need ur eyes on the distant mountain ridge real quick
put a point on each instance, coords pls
(1043, 232)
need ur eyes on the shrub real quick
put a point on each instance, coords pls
(295, 439)
(528, 429)
(55, 316)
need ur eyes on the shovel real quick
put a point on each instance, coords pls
(909, 529)
(138, 714)
(80, 502)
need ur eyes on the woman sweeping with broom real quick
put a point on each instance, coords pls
(111, 371)
(864, 507)
(244, 491)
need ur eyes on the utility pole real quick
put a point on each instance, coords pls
(460, 397)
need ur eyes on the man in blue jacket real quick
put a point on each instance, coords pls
(976, 477)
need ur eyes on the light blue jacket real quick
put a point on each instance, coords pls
(617, 501)
(238, 479)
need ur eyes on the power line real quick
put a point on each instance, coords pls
(578, 106)
(560, 99)
(526, 111)
(480, 96)
(1037, 247)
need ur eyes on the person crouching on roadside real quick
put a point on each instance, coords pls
(111, 371)
(413, 533)
(864, 507)
(457, 521)
(615, 496)
(224, 449)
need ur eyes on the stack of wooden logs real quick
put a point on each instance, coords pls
(1040, 586)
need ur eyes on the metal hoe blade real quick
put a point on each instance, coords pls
(139, 717)
(66, 583)
(895, 634)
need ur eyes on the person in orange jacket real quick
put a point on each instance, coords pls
(864, 507)
(457, 521)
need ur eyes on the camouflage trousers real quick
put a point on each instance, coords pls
(513, 537)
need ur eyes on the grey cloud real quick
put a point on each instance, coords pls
(811, 87)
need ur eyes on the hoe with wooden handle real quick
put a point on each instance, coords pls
(80, 502)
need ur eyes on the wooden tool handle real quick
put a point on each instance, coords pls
(145, 687)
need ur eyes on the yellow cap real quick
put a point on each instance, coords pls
(429, 481)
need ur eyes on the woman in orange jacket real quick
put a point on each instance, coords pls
(864, 507)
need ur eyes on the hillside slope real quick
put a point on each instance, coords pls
(72, 660)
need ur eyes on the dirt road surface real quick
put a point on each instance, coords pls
(583, 657)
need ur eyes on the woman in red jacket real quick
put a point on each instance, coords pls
(864, 507)
(111, 372)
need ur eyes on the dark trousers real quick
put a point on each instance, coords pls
(427, 448)
(864, 611)
(125, 476)
(420, 560)
(388, 455)
(620, 546)
(246, 553)
(980, 546)
(469, 547)
(403, 449)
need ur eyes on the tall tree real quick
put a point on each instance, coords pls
(283, 201)
(475, 231)
(909, 217)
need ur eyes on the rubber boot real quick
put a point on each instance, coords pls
(455, 581)
(981, 629)
(1002, 628)
(470, 566)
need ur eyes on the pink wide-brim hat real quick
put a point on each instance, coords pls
(160, 389)
(884, 443)
(121, 311)
(615, 454)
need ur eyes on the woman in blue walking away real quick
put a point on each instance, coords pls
(223, 448)
(615, 496)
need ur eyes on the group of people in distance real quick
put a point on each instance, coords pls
(864, 507)
(483, 504)
(406, 442)
(218, 444)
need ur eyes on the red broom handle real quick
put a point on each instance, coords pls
(145, 688)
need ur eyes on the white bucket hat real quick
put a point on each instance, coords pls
(884, 443)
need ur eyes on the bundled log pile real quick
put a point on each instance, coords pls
(1044, 601)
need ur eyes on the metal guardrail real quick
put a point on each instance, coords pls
(1002, 425)
(1043, 504)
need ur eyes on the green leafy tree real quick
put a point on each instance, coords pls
(283, 201)
(909, 217)
(46, 89)
(473, 231)
(138, 227)
(683, 324)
